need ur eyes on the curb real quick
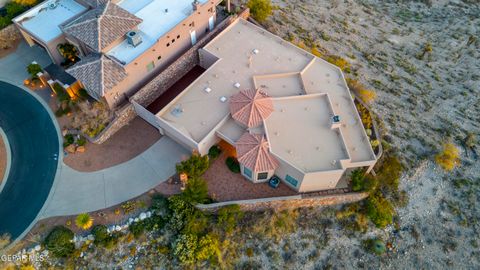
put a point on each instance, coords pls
(8, 152)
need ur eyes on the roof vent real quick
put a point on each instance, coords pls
(53, 5)
(177, 111)
(255, 51)
(336, 119)
(208, 89)
(223, 99)
(166, 10)
(134, 38)
(237, 85)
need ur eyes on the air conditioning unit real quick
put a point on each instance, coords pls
(134, 38)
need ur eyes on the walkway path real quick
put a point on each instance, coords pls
(78, 192)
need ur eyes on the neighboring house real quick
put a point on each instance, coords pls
(122, 44)
(279, 109)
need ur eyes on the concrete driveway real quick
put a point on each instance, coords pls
(78, 192)
(13, 67)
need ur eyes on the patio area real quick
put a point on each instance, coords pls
(224, 185)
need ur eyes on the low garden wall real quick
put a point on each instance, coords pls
(9, 36)
(288, 202)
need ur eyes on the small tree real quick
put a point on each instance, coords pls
(448, 159)
(194, 167)
(260, 9)
(196, 191)
(69, 53)
(60, 242)
(357, 176)
(33, 69)
(84, 221)
(185, 247)
(379, 210)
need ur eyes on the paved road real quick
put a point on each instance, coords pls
(33, 140)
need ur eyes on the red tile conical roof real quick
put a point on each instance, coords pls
(251, 107)
(253, 152)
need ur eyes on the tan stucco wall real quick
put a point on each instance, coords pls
(137, 69)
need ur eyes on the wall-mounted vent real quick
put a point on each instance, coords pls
(134, 38)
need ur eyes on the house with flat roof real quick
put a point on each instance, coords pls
(122, 44)
(282, 110)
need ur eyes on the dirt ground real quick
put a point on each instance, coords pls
(3, 159)
(127, 143)
(224, 185)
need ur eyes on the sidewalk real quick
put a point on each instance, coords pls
(78, 192)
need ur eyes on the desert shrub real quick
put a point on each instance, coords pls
(196, 223)
(33, 70)
(26, 2)
(379, 210)
(155, 222)
(208, 247)
(448, 158)
(389, 174)
(59, 242)
(233, 164)
(4, 240)
(68, 140)
(82, 93)
(181, 211)
(339, 62)
(364, 116)
(137, 228)
(184, 248)
(375, 246)
(159, 203)
(357, 176)
(366, 95)
(84, 221)
(228, 217)
(214, 152)
(101, 234)
(14, 8)
(196, 191)
(260, 9)
(194, 167)
(81, 141)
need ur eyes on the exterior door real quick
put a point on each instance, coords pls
(193, 36)
(211, 23)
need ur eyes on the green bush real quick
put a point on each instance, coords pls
(193, 167)
(59, 242)
(137, 228)
(214, 152)
(184, 248)
(375, 246)
(228, 217)
(81, 141)
(62, 94)
(33, 70)
(155, 222)
(14, 9)
(260, 9)
(379, 210)
(68, 140)
(180, 210)
(101, 234)
(357, 176)
(159, 203)
(196, 191)
(233, 164)
(82, 93)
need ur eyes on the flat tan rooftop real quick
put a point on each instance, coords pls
(299, 132)
(251, 57)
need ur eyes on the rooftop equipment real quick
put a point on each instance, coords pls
(134, 38)
(223, 99)
(237, 85)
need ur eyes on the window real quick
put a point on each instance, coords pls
(247, 172)
(262, 175)
(291, 180)
(159, 57)
(150, 66)
(192, 24)
(178, 36)
(168, 44)
(173, 40)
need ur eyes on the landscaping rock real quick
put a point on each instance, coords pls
(70, 149)
(80, 149)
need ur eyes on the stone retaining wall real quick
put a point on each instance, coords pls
(123, 117)
(289, 202)
(9, 36)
